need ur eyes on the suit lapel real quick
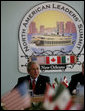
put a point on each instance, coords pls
(39, 82)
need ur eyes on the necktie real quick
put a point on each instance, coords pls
(33, 85)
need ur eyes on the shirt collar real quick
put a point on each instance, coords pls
(33, 79)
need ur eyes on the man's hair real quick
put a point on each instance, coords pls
(30, 64)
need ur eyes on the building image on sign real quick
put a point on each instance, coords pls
(52, 36)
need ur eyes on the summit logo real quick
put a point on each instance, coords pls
(51, 29)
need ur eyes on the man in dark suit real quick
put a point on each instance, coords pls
(75, 79)
(36, 81)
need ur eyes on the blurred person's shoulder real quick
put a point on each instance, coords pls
(77, 75)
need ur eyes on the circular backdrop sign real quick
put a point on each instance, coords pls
(51, 28)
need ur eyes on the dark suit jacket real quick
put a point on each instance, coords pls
(40, 84)
(74, 80)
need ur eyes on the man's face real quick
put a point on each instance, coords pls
(34, 71)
